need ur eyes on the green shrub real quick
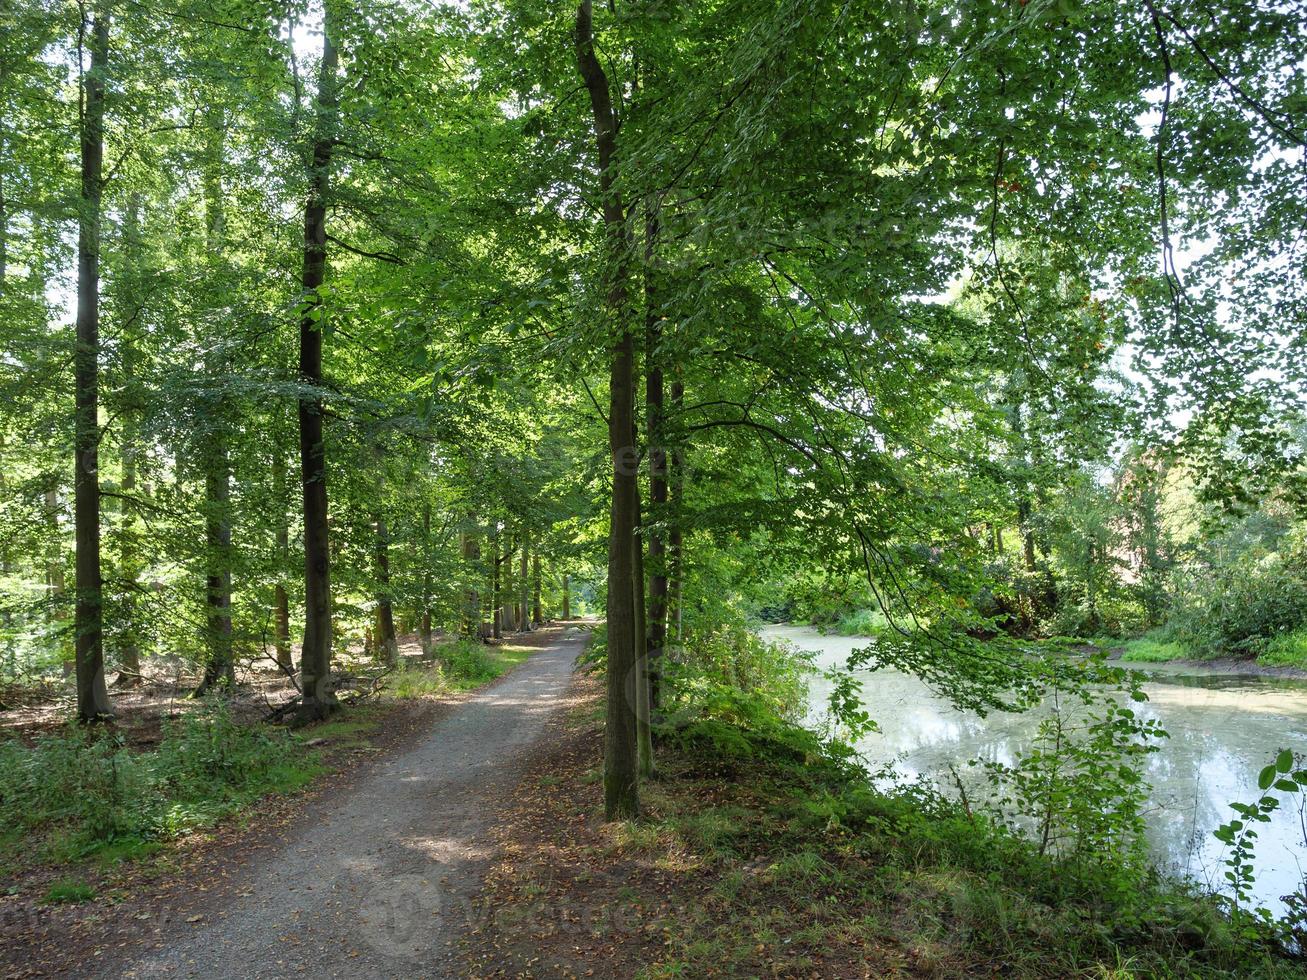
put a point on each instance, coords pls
(417, 682)
(1240, 607)
(732, 671)
(87, 793)
(468, 661)
(1286, 650)
(862, 622)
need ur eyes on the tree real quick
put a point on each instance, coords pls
(621, 781)
(315, 657)
(92, 693)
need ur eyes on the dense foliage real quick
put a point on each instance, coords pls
(961, 323)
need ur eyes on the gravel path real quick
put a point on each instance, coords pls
(383, 884)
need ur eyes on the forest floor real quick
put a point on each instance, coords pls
(375, 864)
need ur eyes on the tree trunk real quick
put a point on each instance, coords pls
(55, 586)
(1027, 535)
(315, 658)
(424, 619)
(92, 694)
(537, 613)
(129, 653)
(675, 536)
(524, 585)
(471, 554)
(621, 776)
(387, 644)
(567, 596)
(643, 732)
(656, 440)
(220, 671)
(4, 227)
(496, 597)
(280, 598)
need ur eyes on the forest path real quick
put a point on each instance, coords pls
(382, 882)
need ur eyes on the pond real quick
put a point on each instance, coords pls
(1224, 728)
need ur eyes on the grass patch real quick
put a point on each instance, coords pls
(1147, 650)
(68, 893)
(1286, 650)
(418, 682)
(860, 622)
(124, 850)
(359, 723)
(463, 665)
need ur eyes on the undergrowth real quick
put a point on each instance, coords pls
(83, 793)
(815, 860)
(814, 865)
(459, 666)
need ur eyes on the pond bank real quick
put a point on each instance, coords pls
(754, 859)
(1224, 727)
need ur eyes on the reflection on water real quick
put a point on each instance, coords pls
(1224, 728)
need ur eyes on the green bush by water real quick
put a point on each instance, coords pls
(980, 890)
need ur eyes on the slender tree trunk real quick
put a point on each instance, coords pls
(656, 439)
(56, 586)
(643, 732)
(524, 584)
(280, 598)
(471, 553)
(220, 670)
(92, 694)
(1027, 535)
(496, 597)
(387, 643)
(537, 613)
(621, 776)
(129, 653)
(675, 535)
(315, 659)
(567, 596)
(4, 225)
(424, 620)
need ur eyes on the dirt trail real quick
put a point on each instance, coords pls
(382, 885)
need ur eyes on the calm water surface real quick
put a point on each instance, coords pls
(1224, 728)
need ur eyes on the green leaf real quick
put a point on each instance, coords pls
(1266, 778)
(1284, 761)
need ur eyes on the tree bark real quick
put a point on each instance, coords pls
(524, 586)
(471, 554)
(496, 597)
(56, 586)
(387, 644)
(280, 598)
(220, 670)
(92, 694)
(675, 535)
(656, 440)
(424, 619)
(315, 658)
(567, 596)
(4, 227)
(621, 775)
(537, 610)
(643, 732)
(129, 653)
